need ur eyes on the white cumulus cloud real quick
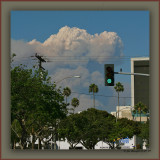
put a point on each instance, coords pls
(77, 42)
(72, 46)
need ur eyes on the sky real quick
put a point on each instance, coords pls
(80, 43)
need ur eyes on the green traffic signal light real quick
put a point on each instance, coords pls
(109, 81)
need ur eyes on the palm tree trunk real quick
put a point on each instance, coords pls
(93, 100)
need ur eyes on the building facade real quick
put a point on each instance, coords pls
(124, 112)
(140, 84)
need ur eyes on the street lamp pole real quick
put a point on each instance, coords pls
(55, 147)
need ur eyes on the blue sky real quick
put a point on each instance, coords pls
(131, 27)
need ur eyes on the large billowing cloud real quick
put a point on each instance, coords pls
(73, 43)
(72, 46)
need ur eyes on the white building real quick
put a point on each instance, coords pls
(64, 145)
(124, 112)
(140, 84)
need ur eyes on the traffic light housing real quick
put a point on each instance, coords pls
(109, 74)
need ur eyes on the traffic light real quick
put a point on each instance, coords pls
(109, 74)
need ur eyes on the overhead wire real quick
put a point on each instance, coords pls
(84, 58)
(92, 56)
(100, 95)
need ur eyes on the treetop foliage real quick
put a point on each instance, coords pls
(35, 102)
(91, 126)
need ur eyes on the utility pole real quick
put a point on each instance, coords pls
(40, 61)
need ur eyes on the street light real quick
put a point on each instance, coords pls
(56, 120)
(68, 77)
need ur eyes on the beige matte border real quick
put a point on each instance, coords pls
(154, 50)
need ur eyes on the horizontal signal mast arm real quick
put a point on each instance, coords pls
(136, 74)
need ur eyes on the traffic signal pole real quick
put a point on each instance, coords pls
(109, 77)
(138, 74)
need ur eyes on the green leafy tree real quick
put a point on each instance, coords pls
(140, 108)
(67, 92)
(87, 128)
(75, 103)
(119, 88)
(69, 129)
(34, 102)
(93, 126)
(144, 134)
(121, 129)
(94, 89)
(20, 102)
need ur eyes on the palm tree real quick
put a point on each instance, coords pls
(66, 92)
(93, 88)
(119, 88)
(75, 103)
(141, 108)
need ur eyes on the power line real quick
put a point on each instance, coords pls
(101, 56)
(92, 57)
(71, 58)
(89, 56)
(101, 95)
(67, 60)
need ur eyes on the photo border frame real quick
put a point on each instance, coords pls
(6, 5)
